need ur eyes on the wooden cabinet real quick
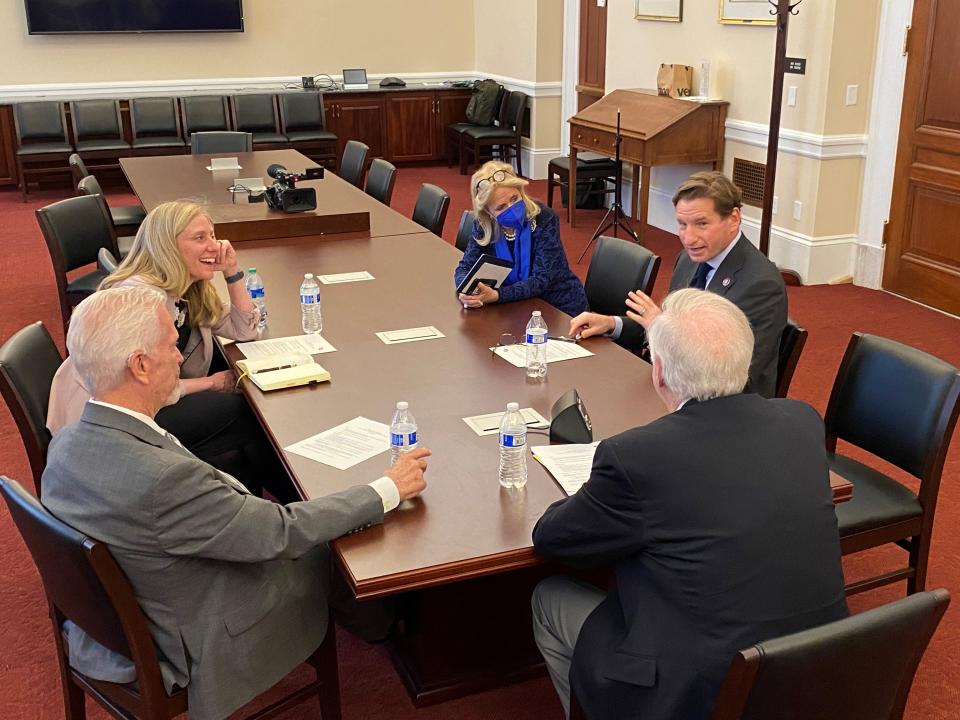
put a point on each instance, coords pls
(357, 117)
(417, 121)
(8, 147)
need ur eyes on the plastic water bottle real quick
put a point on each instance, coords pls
(403, 432)
(254, 285)
(536, 342)
(312, 320)
(513, 448)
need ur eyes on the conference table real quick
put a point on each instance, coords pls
(460, 556)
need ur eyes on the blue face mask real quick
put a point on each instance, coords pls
(513, 217)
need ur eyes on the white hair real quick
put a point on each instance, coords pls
(109, 326)
(704, 343)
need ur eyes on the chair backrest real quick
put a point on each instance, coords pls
(255, 113)
(28, 361)
(618, 267)
(859, 668)
(465, 230)
(302, 111)
(896, 402)
(792, 340)
(84, 584)
(154, 116)
(39, 121)
(78, 168)
(89, 186)
(380, 180)
(353, 162)
(217, 141)
(75, 229)
(514, 107)
(95, 119)
(107, 262)
(204, 112)
(431, 208)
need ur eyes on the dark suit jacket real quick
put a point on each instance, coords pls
(234, 587)
(718, 520)
(751, 282)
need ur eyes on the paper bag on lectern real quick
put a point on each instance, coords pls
(674, 80)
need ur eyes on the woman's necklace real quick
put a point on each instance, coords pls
(509, 235)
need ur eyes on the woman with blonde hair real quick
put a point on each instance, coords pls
(177, 252)
(513, 227)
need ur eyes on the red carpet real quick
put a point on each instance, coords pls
(370, 688)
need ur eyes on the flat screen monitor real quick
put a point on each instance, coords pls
(45, 17)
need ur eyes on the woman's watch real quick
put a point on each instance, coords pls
(236, 277)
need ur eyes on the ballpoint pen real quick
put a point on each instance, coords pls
(563, 338)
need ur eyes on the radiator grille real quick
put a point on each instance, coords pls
(749, 176)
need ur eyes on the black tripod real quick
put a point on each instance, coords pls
(615, 216)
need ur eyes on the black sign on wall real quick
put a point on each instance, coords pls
(797, 66)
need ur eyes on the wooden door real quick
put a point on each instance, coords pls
(593, 52)
(411, 117)
(361, 118)
(923, 247)
(8, 148)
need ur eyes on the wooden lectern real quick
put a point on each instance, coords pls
(656, 130)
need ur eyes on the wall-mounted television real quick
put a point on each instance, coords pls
(48, 17)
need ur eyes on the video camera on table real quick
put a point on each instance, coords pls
(284, 193)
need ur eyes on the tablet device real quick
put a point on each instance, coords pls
(489, 270)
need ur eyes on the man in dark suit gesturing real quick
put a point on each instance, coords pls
(717, 519)
(234, 587)
(719, 258)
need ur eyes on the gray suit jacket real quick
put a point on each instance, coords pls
(751, 282)
(234, 587)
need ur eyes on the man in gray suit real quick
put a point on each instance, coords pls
(234, 587)
(719, 258)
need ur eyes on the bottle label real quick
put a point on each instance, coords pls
(536, 338)
(512, 441)
(403, 439)
(309, 299)
(255, 293)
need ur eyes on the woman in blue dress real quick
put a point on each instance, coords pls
(513, 227)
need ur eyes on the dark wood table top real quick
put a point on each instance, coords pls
(464, 524)
(160, 179)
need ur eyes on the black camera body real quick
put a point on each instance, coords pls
(284, 193)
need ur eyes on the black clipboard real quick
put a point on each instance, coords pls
(489, 270)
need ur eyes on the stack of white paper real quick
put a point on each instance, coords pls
(557, 350)
(569, 464)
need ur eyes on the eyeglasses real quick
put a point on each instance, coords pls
(498, 177)
(506, 340)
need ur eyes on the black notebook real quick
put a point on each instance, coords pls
(489, 270)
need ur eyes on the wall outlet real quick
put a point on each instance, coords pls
(792, 96)
(774, 208)
(797, 209)
(852, 92)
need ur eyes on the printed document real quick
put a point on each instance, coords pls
(569, 464)
(311, 344)
(557, 350)
(345, 445)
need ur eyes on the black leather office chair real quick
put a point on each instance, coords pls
(502, 141)
(465, 229)
(257, 114)
(216, 141)
(204, 113)
(98, 132)
(454, 131)
(106, 261)
(28, 361)
(431, 208)
(380, 180)
(792, 340)
(156, 128)
(84, 584)
(901, 405)
(75, 229)
(859, 668)
(354, 162)
(304, 122)
(42, 144)
(618, 267)
(125, 218)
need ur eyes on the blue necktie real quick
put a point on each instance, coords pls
(700, 277)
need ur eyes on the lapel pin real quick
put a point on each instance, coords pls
(726, 282)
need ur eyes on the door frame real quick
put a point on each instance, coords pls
(571, 69)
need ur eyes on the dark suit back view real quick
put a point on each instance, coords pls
(718, 519)
(751, 282)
